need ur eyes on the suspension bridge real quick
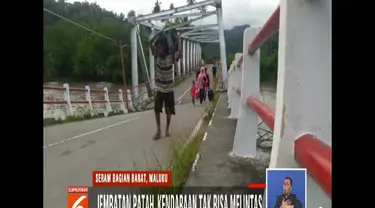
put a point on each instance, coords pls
(299, 114)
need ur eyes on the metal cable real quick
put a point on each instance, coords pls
(81, 26)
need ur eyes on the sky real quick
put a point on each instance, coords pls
(235, 12)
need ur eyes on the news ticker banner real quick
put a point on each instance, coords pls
(131, 189)
(139, 179)
(192, 197)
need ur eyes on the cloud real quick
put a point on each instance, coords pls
(235, 12)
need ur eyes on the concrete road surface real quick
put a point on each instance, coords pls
(73, 150)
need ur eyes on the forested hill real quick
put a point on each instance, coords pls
(233, 41)
(72, 53)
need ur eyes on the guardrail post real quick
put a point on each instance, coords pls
(107, 101)
(247, 124)
(122, 101)
(69, 109)
(230, 85)
(129, 100)
(304, 93)
(236, 98)
(88, 97)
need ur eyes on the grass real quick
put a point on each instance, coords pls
(180, 164)
(211, 108)
(182, 159)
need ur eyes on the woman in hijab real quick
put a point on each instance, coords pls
(207, 83)
(201, 84)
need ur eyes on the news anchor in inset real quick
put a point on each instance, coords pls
(288, 199)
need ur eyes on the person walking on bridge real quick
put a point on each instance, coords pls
(193, 92)
(207, 83)
(164, 61)
(214, 69)
(201, 84)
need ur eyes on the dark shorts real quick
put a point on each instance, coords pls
(167, 99)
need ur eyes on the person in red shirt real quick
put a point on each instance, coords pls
(193, 92)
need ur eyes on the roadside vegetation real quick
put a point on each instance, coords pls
(182, 159)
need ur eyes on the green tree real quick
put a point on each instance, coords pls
(71, 52)
(131, 13)
(190, 2)
(156, 8)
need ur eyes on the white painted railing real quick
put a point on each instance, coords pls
(104, 99)
(302, 119)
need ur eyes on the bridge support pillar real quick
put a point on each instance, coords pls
(187, 57)
(199, 54)
(194, 55)
(303, 100)
(247, 124)
(237, 80)
(183, 57)
(230, 84)
(134, 55)
(178, 67)
(223, 54)
(191, 52)
(184, 51)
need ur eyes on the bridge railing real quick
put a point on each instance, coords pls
(82, 101)
(302, 119)
(73, 101)
(62, 101)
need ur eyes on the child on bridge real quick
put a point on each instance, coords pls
(193, 92)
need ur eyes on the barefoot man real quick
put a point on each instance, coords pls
(164, 61)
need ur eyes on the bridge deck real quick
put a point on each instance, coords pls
(72, 151)
(215, 167)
